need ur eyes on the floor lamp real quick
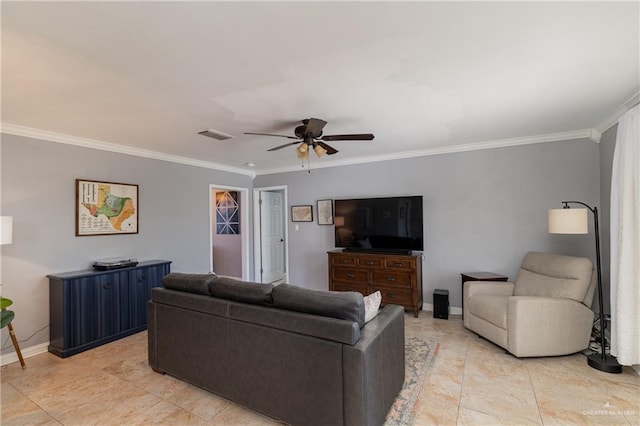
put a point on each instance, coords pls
(6, 237)
(575, 221)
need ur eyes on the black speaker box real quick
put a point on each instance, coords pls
(441, 304)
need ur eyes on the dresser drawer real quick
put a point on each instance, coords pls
(343, 260)
(396, 263)
(394, 295)
(386, 277)
(353, 286)
(350, 275)
(370, 262)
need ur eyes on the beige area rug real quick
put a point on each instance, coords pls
(420, 355)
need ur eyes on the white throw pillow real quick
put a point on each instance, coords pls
(371, 305)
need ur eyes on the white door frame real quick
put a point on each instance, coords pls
(244, 225)
(257, 255)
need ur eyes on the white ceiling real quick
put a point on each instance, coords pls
(421, 76)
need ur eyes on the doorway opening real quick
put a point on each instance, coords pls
(229, 231)
(271, 248)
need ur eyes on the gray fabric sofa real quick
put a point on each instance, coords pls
(304, 357)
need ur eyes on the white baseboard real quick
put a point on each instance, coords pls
(453, 310)
(26, 353)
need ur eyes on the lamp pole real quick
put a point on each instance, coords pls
(603, 362)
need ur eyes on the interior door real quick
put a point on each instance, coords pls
(272, 248)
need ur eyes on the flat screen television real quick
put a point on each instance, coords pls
(391, 224)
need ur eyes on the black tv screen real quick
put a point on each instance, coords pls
(392, 224)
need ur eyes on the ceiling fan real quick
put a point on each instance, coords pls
(309, 136)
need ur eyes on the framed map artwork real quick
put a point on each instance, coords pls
(325, 212)
(302, 213)
(106, 208)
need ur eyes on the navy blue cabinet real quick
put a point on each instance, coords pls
(90, 308)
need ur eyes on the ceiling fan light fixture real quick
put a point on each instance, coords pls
(303, 147)
(320, 151)
(303, 155)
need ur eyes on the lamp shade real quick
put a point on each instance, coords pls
(568, 221)
(6, 229)
(320, 151)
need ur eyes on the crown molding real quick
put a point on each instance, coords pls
(612, 119)
(17, 130)
(29, 132)
(589, 134)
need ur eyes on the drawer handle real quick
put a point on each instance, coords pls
(344, 261)
(350, 275)
(369, 262)
(106, 286)
(391, 295)
(391, 278)
(397, 264)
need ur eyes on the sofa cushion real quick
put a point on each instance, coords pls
(191, 283)
(552, 275)
(241, 291)
(346, 305)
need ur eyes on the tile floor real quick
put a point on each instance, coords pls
(472, 382)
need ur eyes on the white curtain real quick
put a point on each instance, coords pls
(625, 240)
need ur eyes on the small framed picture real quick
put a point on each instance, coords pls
(302, 213)
(325, 212)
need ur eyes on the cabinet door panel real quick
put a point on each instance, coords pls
(140, 287)
(141, 281)
(109, 290)
(83, 298)
(125, 300)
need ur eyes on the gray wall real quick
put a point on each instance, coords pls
(483, 210)
(607, 147)
(38, 190)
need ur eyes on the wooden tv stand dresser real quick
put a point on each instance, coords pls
(398, 277)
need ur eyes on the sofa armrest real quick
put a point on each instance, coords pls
(496, 288)
(545, 326)
(373, 368)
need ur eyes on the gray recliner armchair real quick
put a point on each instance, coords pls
(546, 312)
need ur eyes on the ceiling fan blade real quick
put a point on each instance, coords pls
(270, 134)
(353, 137)
(284, 146)
(330, 150)
(314, 127)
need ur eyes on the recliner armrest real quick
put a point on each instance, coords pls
(496, 288)
(543, 326)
